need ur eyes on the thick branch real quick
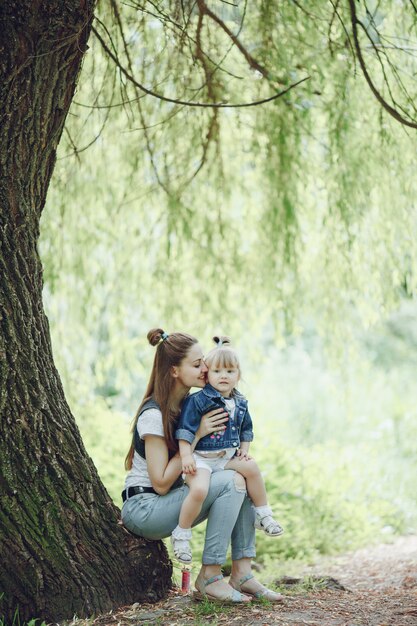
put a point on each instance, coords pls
(391, 110)
(217, 105)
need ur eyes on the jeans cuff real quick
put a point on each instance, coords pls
(248, 553)
(213, 560)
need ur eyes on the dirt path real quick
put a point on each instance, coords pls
(380, 590)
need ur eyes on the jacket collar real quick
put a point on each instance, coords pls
(211, 392)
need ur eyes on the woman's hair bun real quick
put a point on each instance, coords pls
(221, 340)
(154, 336)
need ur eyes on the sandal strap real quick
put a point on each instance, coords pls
(264, 512)
(236, 596)
(269, 522)
(269, 525)
(183, 534)
(213, 579)
(263, 592)
(267, 593)
(244, 579)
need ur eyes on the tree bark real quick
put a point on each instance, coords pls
(63, 550)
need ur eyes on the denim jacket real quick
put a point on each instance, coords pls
(197, 404)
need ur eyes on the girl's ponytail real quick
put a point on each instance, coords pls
(222, 340)
(223, 355)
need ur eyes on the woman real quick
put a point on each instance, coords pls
(154, 491)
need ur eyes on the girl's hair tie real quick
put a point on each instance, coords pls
(164, 336)
(221, 340)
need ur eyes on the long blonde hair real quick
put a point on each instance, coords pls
(170, 351)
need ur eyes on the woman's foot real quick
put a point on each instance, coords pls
(180, 540)
(216, 589)
(264, 521)
(251, 587)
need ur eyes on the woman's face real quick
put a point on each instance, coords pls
(191, 372)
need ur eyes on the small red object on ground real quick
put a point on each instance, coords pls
(185, 580)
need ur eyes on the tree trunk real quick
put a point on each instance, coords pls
(63, 551)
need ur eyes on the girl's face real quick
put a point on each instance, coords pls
(223, 379)
(191, 372)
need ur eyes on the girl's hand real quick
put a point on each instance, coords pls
(211, 422)
(188, 464)
(243, 456)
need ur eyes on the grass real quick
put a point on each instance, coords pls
(17, 622)
(205, 607)
(308, 584)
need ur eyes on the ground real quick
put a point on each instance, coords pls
(375, 586)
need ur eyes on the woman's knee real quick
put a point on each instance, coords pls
(226, 481)
(240, 482)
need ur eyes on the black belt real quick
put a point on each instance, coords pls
(133, 491)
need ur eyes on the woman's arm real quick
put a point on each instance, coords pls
(163, 471)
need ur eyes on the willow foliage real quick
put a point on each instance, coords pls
(256, 217)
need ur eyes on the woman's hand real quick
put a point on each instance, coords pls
(212, 422)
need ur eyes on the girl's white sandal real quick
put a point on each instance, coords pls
(268, 525)
(181, 545)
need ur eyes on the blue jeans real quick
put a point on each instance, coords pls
(228, 510)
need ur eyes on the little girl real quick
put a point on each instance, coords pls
(225, 449)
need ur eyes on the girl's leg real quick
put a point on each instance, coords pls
(257, 492)
(254, 481)
(198, 484)
(198, 489)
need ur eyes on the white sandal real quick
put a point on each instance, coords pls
(267, 523)
(180, 540)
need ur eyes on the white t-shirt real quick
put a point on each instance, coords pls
(231, 407)
(149, 423)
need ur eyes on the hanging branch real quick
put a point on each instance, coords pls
(167, 19)
(336, 13)
(200, 56)
(158, 177)
(391, 110)
(218, 105)
(203, 10)
(253, 63)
